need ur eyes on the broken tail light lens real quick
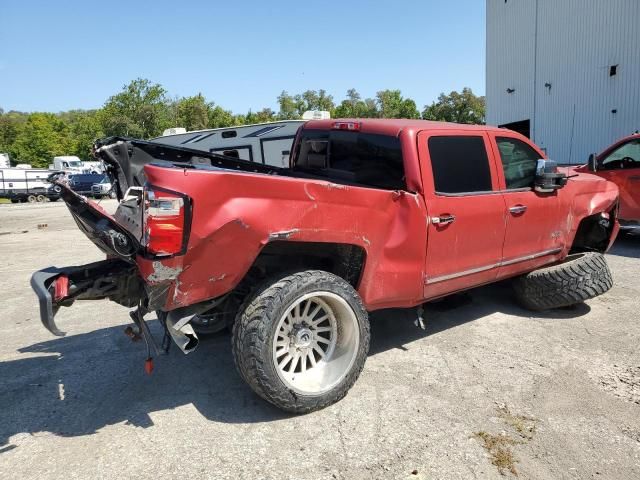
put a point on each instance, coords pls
(164, 221)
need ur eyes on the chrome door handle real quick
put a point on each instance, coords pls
(516, 209)
(443, 219)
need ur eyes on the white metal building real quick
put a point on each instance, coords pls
(566, 73)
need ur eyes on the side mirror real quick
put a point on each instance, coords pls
(592, 163)
(548, 179)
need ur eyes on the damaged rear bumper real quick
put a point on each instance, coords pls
(120, 282)
(111, 279)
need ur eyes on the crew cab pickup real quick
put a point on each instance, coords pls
(620, 164)
(369, 214)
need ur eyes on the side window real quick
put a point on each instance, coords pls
(519, 162)
(459, 164)
(625, 156)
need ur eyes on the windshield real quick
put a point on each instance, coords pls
(625, 156)
(75, 163)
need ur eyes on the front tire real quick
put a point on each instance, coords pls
(301, 341)
(577, 278)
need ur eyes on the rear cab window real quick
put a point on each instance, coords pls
(356, 158)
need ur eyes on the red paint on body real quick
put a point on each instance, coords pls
(408, 259)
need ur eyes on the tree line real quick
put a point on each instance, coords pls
(143, 109)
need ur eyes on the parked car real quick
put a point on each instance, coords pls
(83, 183)
(369, 214)
(620, 164)
(103, 188)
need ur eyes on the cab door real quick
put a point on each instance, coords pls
(622, 167)
(535, 222)
(465, 211)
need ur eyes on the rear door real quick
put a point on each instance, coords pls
(622, 167)
(536, 222)
(466, 212)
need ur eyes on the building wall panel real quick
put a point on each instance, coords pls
(572, 98)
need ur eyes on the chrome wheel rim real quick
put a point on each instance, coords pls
(315, 343)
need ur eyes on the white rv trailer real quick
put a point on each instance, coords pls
(27, 184)
(4, 160)
(267, 143)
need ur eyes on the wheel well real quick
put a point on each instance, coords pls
(593, 234)
(343, 260)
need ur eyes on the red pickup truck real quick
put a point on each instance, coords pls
(370, 214)
(620, 164)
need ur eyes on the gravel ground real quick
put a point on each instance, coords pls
(554, 395)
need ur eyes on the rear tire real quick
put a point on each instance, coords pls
(579, 277)
(300, 341)
(41, 198)
(31, 199)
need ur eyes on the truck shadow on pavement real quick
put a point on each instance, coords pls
(627, 245)
(81, 383)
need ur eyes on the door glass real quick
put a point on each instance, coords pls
(459, 164)
(519, 162)
(625, 156)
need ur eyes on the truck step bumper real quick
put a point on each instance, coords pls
(112, 279)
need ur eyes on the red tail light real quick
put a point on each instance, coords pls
(164, 222)
(352, 126)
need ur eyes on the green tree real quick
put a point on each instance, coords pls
(43, 136)
(391, 104)
(219, 117)
(354, 107)
(289, 107)
(457, 107)
(84, 129)
(263, 116)
(11, 124)
(141, 110)
(314, 100)
(193, 112)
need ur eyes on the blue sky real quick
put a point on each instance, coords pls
(59, 55)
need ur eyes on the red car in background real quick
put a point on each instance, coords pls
(620, 164)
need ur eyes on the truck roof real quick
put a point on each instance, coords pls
(393, 126)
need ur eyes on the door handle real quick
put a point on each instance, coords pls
(517, 209)
(635, 177)
(443, 219)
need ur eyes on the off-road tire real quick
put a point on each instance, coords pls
(579, 277)
(255, 327)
